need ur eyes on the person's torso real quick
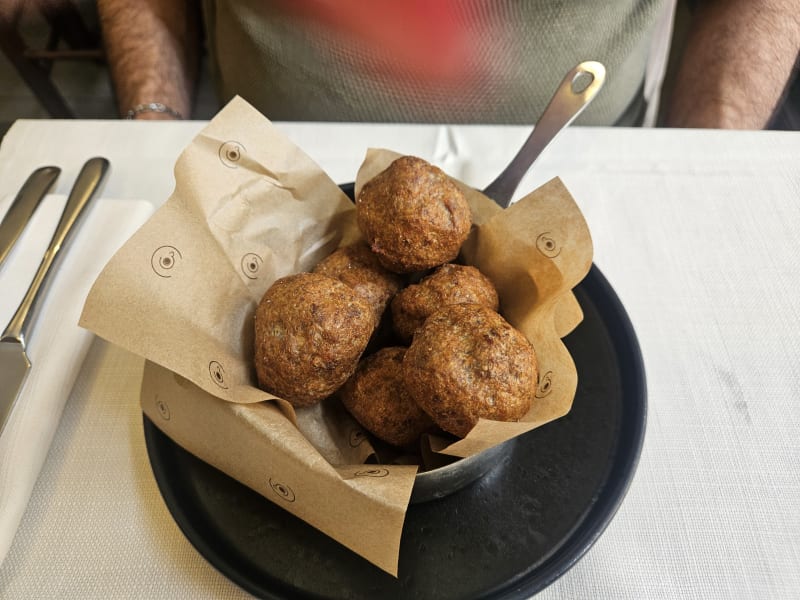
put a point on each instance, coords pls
(419, 61)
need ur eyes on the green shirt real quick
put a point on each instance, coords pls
(469, 62)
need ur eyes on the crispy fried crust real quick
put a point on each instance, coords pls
(376, 396)
(413, 216)
(310, 331)
(467, 362)
(357, 266)
(449, 284)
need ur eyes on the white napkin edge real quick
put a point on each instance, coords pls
(56, 345)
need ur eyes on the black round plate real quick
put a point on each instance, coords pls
(508, 535)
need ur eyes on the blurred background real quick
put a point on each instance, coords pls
(52, 66)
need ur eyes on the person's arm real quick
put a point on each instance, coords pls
(152, 48)
(738, 58)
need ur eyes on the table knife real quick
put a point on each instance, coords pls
(23, 206)
(14, 363)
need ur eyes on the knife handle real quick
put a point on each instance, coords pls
(25, 203)
(87, 183)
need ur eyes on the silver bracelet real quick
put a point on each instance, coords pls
(156, 107)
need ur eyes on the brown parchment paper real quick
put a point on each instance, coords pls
(250, 207)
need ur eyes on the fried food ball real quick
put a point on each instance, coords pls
(449, 284)
(357, 266)
(467, 362)
(377, 397)
(413, 216)
(310, 331)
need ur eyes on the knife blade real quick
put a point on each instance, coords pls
(14, 362)
(30, 195)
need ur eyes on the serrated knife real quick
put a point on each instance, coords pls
(19, 213)
(14, 363)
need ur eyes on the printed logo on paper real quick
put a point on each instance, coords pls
(163, 409)
(164, 261)
(230, 153)
(251, 263)
(283, 490)
(356, 438)
(217, 373)
(547, 245)
(545, 385)
(375, 472)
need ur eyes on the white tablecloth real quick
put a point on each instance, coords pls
(698, 232)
